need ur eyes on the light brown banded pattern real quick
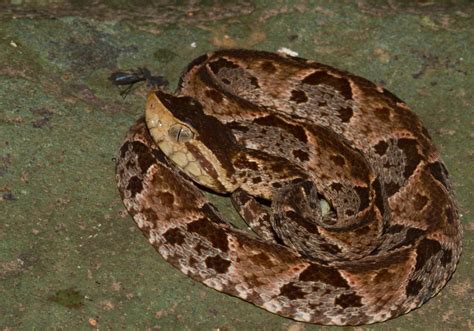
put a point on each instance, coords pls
(354, 212)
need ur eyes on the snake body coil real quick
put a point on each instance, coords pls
(354, 212)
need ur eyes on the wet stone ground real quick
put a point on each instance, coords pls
(71, 257)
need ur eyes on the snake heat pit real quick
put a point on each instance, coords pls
(353, 217)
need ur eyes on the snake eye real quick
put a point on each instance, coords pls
(180, 133)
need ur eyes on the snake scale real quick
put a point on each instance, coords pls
(353, 217)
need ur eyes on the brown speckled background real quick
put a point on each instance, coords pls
(71, 258)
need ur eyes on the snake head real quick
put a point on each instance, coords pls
(198, 144)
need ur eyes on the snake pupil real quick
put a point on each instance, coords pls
(180, 133)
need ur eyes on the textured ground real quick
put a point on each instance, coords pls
(70, 257)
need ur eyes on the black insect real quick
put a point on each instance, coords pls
(132, 77)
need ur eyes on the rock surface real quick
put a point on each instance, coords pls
(71, 258)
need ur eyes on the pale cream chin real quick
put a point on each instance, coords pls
(186, 162)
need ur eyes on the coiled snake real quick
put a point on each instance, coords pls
(355, 217)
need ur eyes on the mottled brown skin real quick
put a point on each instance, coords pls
(298, 133)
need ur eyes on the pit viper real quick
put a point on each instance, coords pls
(353, 218)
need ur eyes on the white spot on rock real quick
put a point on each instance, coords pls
(287, 51)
